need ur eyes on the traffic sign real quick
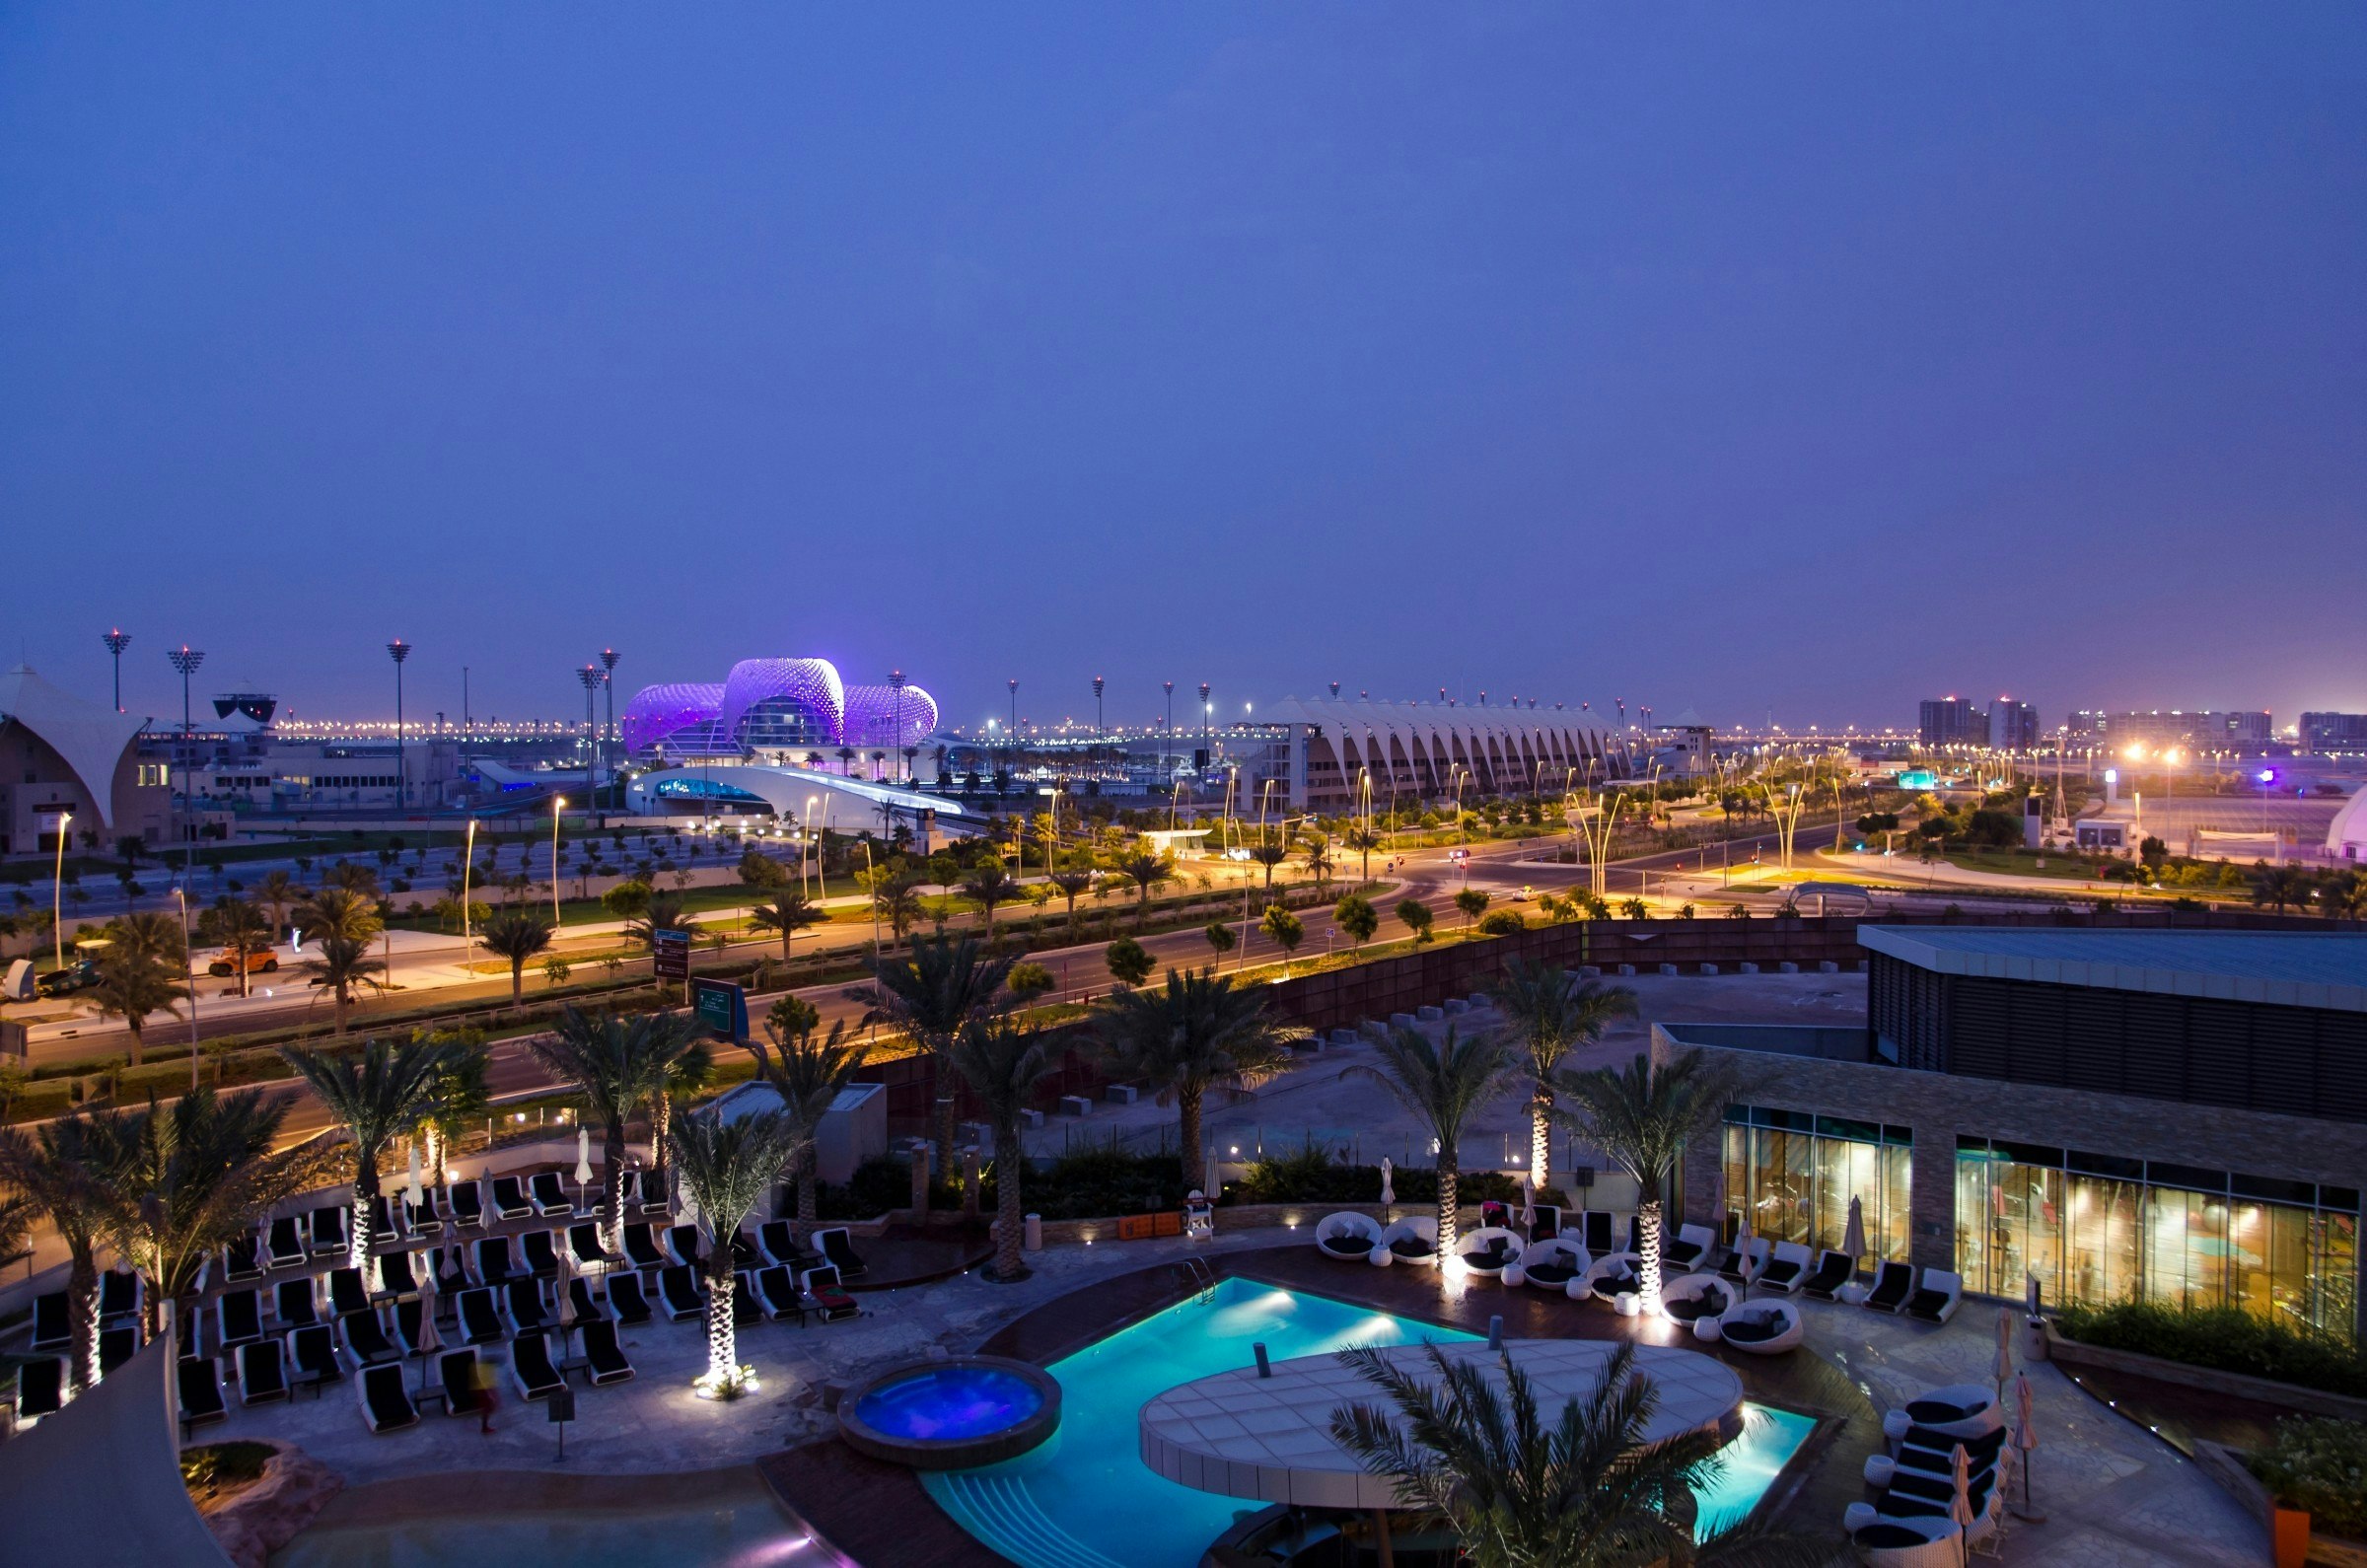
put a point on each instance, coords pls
(673, 951)
(720, 1005)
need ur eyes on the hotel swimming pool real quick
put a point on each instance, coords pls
(1086, 1500)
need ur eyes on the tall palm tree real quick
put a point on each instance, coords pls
(660, 912)
(378, 1093)
(65, 1168)
(726, 1169)
(346, 922)
(1145, 871)
(1003, 1060)
(1364, 841)
(1319, 863)
(1527, 1489)
(461, 1097)
(240, 930)
(278, 892)
(991, 884)
(136, 982)
(929, 994)
(516, 935)
(1444, 1086)
(1196, 1035)
(687, 1074)
(1642, 1116)
(196, 1175)
(615, 1063)
(340, 964)
(787, 912)
(897, 901)
(808, 1074)
(1547, 1011)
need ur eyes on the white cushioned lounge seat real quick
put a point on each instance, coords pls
(1414, 1240)
(1489, 1249)
(1348, 1237)
(1764, 1328)
(1605, 1277)
(1695, 1300)
(1555, 1264)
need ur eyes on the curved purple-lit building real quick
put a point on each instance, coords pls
(780, 709)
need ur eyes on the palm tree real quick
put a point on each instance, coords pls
(1443, 1085)
(1003, 1060)
(1642, 1116)
(989, 884)
(788, 913)
(2278, 887)
(378, 1093)
(462, 1094)
(942, 984)
(687, 1074)
(63, 1168)
(341, 964)
(807, 1075)
(516, 935)
(1547, 1011)
(277, 891)
(659, 911)
(1145, 871)
(1269, 856)
(135, 981)
(897, 901)
(616, 1064)
(1524, 1490)
(726, 1168)
(1198, 1035)
(1364, 841)
(240, 930)
(346, 922)
(192, 1176)
(1319, 863)
(1071, 880)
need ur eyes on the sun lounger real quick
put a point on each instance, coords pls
(347, 1294)
(386, 1220)
(262, 1372)
(480, 1321)
(1347, 1236)
(1746, 1260)
(40, 1388)
(777, 1240)
(1893, 1283)
(465, 1204)
(395, 1276)
(745, 1253)
(457, 1371)
(745, 1308)
(838, 1246)
(683, 1246)
(586, 1305)
(445, 1268)
(121, 1294)
(496, 1264)
(647, 1189)
(118, 1344)
(366, 1341)
(326, 1230)
(583, 1246)
(532, 1370)
(540, 1251)
(522, 1306)
(627, 1300)
(52, 1321)
(678, 1292)
(1834, 1270)
(1685, 1250)
(823, 1297)
(510, 1201)
(1935, 1301)
(641, 1248)
(294, 1304)
(238, 1318)
(1544, 1222)
(1786, 1270)
(423, 1218)
(198, 1381)
(1550, 1264)
(283, 1245)
(777, 1290)
(242, 1261)
(603, 1355)
(548, 1190)
(386, 1402)
(313, 1356)
(411, 1332)
(1598, 1239)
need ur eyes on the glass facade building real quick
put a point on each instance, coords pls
(1791, 1177)
(2099, 1228)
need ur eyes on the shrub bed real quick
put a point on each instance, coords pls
(2320, 1465)
(2223, 1338)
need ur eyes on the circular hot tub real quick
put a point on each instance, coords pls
(950, 1415)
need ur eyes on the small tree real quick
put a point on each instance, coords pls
(1269, 856)
(1071, 880)
(1129, 962)
(516, 935)
(726, 1168)
(758, 870)
(989, 884)
(1221, 937)
(1028, 982)
(1356, 915)
(1417, 918)
(788, 913)
(240, 930)
(1472, 902)
(1286, 930)
(1145, 871)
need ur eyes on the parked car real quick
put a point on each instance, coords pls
(262, 960)
(80, 975)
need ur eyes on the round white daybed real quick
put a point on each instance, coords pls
(1697, 1300)
(1490, 1250)
(1414, 1240)
(1598, 1279)
(1349, 1237)
(1959, 1410)
(1922, 1541)
(1555, 1263)
(1764, 1328)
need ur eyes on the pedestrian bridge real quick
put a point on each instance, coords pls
(805, 795)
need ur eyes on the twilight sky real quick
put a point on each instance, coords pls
(1810, 359)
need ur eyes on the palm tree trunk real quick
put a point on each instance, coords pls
(139, 1041)
(81, 1300)
(612, 1187)
(341, 1004)
(943, 1087)
(1448, 1177)
(364, 1191)
(809, 1183)
(517, 984)
(1188, 1116)
(723, 1339)
(1540, 1134)
(661, 1122)
(1009, 1159)
(1647, 1268)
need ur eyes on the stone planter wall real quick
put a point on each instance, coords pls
(2226, 1466)
(266, 1515)
(2292, 1396)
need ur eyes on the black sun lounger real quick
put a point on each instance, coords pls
(531, 1368)
(385, 1403)
(198, 1380)
(480, 1322)
(366, 1341)
(627, 1300)
(457, 1371)
(604, 1357)
(677, 1290)
(40, 1387)
(641, 1248)
(1891, 1286)
(1834, 1270)
(237, 1319)
(262, 1372)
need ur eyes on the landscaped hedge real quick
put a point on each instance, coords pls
(2320, 1464)
(2223, 1338)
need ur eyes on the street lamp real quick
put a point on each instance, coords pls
(608, 681)
(556, 802)
(468, 867)
(116, 641)
(57, 887)
(399, 651)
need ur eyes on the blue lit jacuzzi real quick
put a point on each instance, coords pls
(943, 1415)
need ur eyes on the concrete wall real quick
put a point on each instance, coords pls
(1939, 1107)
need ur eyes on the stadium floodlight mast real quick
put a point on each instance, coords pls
(1014, 685)
(896, 763)
(607, 681)
(592, 677)
(399, 651)
(185, 659)
(1171, 705)
(116, 641)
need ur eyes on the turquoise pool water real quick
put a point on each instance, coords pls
(1086, 1500)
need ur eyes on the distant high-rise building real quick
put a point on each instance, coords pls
(1951, 721)
(2174, 727)
(2013, 726)
(2334, 732)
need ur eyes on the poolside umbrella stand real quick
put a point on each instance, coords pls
(2004, 1367)
(582, 1164)
(2026, 1443)
(1960, 1506)
(428, 1343)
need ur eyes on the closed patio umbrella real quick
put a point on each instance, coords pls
(1388, 1193)
(583, 1164)
(428, 1343)
(413, 1188)
(2003, 1368)
(2026, 1438)
(1854, 1239)
(1960, 1506)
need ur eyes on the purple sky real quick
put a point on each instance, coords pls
(1742, 357)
